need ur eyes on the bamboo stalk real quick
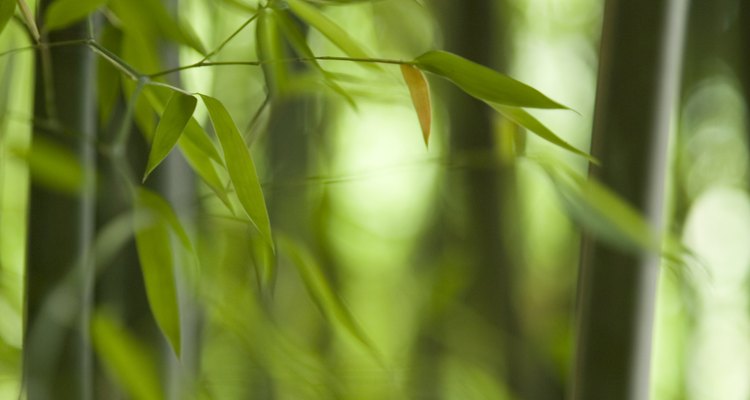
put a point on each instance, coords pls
(57, 355)
(640, 65)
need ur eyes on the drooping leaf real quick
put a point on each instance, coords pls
(62, 13)
(161, 207)
(177, 114)
(298, 41)
(483, 83)
(240, 167)
(53, 166)
(321, 292)
(158, 97)
(271, 51)
(7, 9)
(420, 97)
(127, 360)
(203, 166)
(154, 246)
(526, 120)
(601, 211)
(337, 35)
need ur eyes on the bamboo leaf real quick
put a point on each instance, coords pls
(483, 83)
(240, 167)
(163, 209)
(320, 291)
(337, 35)
(202, 166)
(526, 120)
(155, 254)
(601, 211)
(7, 9)
(420, 97)
(271, 51)
(53, 166)
(193, 131)
(62, 13)
(177, 114)
(127, 360)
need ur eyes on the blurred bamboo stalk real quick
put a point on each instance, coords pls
(57, 356)
(639, 70)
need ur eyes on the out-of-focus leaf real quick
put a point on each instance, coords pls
(299, 43)
(127, 360)
(271, 51)
(177, 114)
(161, 207)
(483, 83)
(601, 211)
(155, 254)
(148, 18)
(420, 97)
(7, 8)
(53, 166)
(526, 120)
(320, 291)
(240, 167)
(241, 5)
(29, 19)
(62, 13)
(328, 28)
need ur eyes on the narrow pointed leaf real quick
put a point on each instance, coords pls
(483, 83)
(7, 9)
(240, 167)
(62, 13)
(601, 211)
(177, 114)
(298, 41)
(321, 292)
(328, 28)
(203, 166)
(526, 120)
(420, 97)
(53, 166)
(154, 246)
(164, 210)
(127, 360)
(271, 51)
(193, 131)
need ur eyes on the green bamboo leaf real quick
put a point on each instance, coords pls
(177, 114)
(601, 211)
(205, 169)
(337, 35)
(271, 51)
(154, 246)
(240, 167)
(127, 360)
(526, 120)
(298, 41)
(53, 166)
(7, 9)
(483, 83)
(320, 291)
(193, 131)
(163, 209)
(62, 13)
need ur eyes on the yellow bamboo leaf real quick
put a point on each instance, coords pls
(420, 97)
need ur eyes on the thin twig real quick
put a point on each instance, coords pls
(229, 38)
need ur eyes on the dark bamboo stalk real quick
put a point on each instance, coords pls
(638, 79)
(57, 354)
